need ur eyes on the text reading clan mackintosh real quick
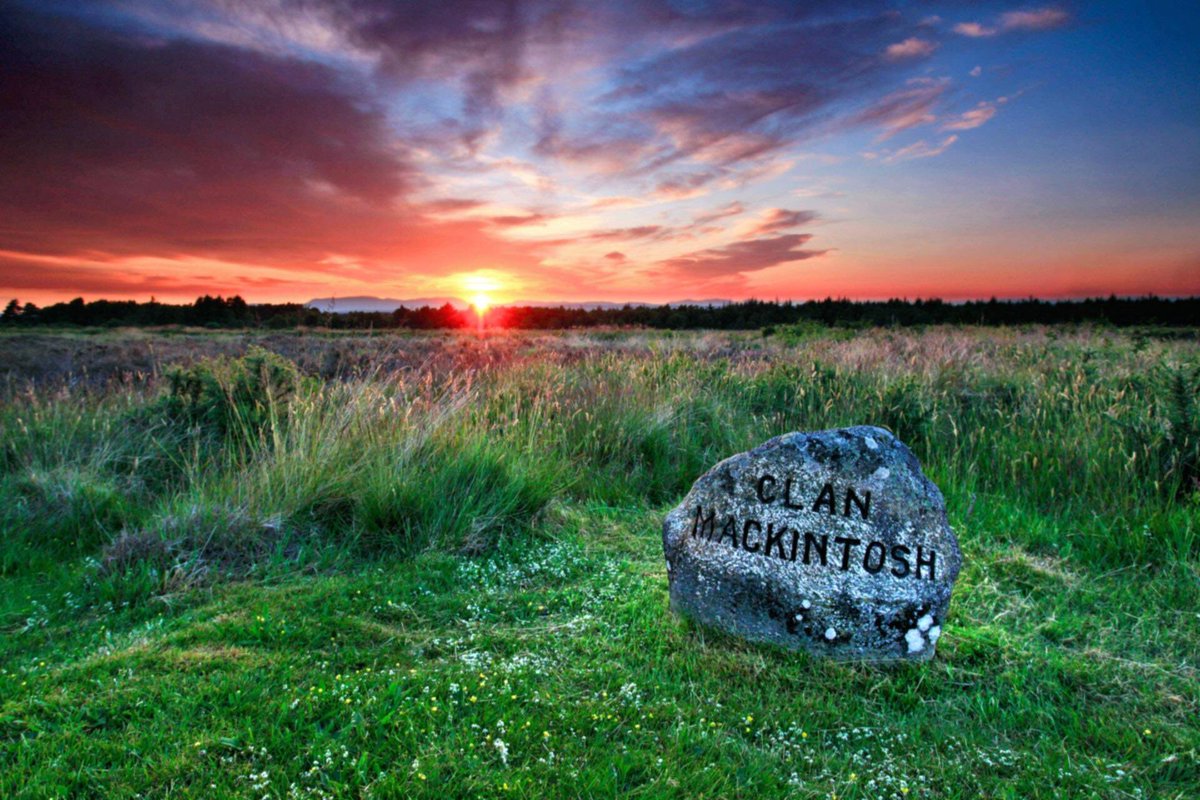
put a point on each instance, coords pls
(789, 544)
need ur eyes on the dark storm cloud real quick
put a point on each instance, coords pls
(129, 144)
(137, 140)
(740, 257)
(480, 43)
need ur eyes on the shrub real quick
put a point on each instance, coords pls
(1180, 449)
(233, 397)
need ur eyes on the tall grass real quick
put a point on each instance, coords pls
(244, 459)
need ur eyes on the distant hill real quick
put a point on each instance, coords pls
(346, 305)
(594, 305)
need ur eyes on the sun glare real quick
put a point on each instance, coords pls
(481, 287)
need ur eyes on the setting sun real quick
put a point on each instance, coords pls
(481, 287)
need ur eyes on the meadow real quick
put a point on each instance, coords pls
(306, 564)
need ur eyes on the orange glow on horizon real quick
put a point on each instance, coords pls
(481, 286)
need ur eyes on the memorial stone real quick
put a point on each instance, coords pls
(833, 542)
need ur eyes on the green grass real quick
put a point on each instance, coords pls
(364, 587)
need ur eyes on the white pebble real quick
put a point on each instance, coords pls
(805, 604)
(830, 634)
(924, 622)
(916, 642)
(871, 443)
(935, 632)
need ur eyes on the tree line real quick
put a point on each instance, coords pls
(235, 312)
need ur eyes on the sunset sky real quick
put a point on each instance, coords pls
(653, 151)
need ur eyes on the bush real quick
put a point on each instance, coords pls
(1179, 452)
(237, 398)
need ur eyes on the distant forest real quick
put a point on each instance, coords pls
(234, 312)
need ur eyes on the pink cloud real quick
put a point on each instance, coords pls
(971, 119)
(730, 210)
(1041, 19)
(921, 149)
(974, 30)
(904, 109)
(740, 257)
(775, 220)
(911, 47)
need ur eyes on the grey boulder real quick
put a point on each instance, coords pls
(833, 542)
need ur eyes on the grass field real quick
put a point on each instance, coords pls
(431, 566)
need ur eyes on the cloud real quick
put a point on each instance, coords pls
(1041, 19)
(903, 109)
(616, 256)
(618, 234)
(681, 187)
(774, 220)
(107, 135)
(974, 30)
(127, 145)
(133, 276)
(911, 47)
(369, 141)
(970, 119)
(453, 205)
(920, 149)
(479, 45)
(518, 220)
(976, 72)
(1037, 20)
(718, 88)
(644, 232)
(729, 210)
(740, 257)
